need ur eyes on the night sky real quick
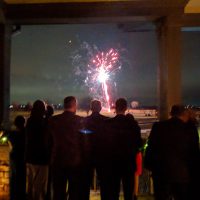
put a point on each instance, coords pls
(41, 62)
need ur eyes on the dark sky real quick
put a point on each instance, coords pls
(191, 66)
(41, 64)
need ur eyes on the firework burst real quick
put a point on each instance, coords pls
(97, 69)
(101, 69)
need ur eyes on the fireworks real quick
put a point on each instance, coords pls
(97, 69)
(102, 67)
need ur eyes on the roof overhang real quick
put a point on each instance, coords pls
(164, 2)
(89, 11)
(97, 11)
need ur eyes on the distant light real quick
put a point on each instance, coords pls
(69, 41)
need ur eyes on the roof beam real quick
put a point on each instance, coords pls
(169, 2)
(191, 20)
(76, 12)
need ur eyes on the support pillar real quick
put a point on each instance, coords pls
(5, 42)
(169, 69)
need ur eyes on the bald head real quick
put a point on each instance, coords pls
(70, 104)
(121, 106)
(179, 111)
(95, 106)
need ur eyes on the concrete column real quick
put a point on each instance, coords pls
(169, 69)
(5, 42)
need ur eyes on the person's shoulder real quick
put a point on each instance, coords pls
(131, 119)
(11, 134)
(103, 117)
(30, 122)
(160, 124)
(55, 118)
(118, 120)
(130, 116)
(99, 117)
(110, 119)
(80, 118)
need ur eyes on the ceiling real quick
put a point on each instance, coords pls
(56, 1)
(192, 7)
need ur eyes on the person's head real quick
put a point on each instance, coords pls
(70, 104)
(95, 106)
(121, 106)
(179, 111)
(38, 109)
(49, 111)
(19, 122)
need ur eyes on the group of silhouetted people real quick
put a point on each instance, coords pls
(54, 157)
(81, 144)
(29, 155)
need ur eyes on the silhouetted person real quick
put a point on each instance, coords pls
(49, 111)
(17, 160)
(36, 153)
(194, 155)
(138, 171)
(120, 143)
(93, 129)
(66, 158)
(170, 156)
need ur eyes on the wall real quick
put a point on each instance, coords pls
(4, 171)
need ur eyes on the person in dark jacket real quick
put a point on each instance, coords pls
(194, 155)
(17, 160)
(36, 153)
(170, 154)
(66, 155)
(120, 143)
(93, 129)
(49, 113)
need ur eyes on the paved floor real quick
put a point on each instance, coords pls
(96, 196)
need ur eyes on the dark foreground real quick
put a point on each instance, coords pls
(96, 196)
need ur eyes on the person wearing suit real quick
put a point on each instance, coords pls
(171, 155)
(93, 129)
(120, 141)
(66, 159)
(194, 155)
